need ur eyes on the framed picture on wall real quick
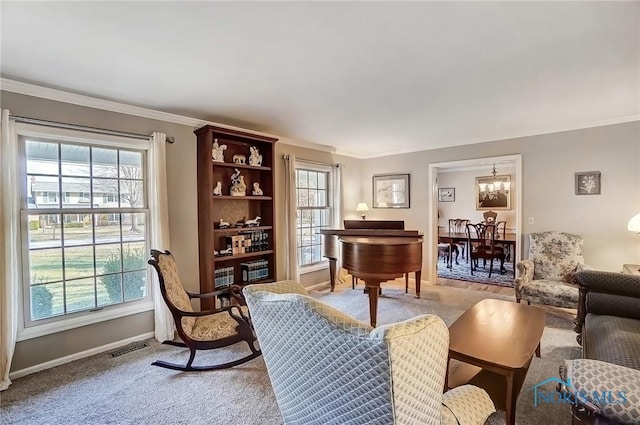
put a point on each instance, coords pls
(493, 192)
(588, 183)
(446, 194)
(391, 191)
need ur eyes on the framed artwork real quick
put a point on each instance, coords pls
(493, 192)
(446, 194)
(588, 183)
(391, 191)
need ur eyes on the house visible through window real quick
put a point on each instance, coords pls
(109, 198)
(49, 197)
(81, 255)
(314, 210)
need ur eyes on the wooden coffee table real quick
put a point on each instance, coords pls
(496, 341)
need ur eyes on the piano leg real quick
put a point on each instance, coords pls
(332, 273)
(374, 287)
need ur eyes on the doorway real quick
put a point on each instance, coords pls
(481, 167)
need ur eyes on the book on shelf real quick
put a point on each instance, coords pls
(224, 277)
(254, 270)
(247, 242)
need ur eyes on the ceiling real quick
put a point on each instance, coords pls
(366, 78)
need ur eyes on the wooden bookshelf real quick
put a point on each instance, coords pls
(233, 209)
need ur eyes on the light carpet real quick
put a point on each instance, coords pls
(128, 390)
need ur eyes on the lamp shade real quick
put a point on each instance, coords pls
(362, 206)
(634, 224)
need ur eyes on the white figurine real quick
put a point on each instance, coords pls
(239, 159)
(256, 189)
(224, 224)
(254, 222)
(255, 158)
(217, 191)
(238, 187)
(217, 151)
(227, 251)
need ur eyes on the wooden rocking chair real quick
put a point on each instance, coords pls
(200, 330)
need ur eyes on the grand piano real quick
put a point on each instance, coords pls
(375, 251)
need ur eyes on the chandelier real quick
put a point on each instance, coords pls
(495, 184)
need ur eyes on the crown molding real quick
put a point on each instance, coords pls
(308, 145)
(35, 90)
(29, 89)
(505, 136)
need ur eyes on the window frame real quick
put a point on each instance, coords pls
(28, 329)
(321, 168)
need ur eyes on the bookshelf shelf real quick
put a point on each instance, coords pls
(226, 258)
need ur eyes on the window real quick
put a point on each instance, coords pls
(314, 210)
(84, 197)
(80, 257)
(49, 197)
(109, 198)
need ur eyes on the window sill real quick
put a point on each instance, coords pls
(84, 320)
(324, 265)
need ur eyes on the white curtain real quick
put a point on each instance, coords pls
(291, 259)
(159, 211)
(9, 251)
(336, 218)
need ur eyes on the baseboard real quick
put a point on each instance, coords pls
(77, 356)
(318, 286)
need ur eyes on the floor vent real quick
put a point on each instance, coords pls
(129, 348)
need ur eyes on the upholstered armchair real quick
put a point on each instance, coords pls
(547, 276)
(601, 393)
(327, 368)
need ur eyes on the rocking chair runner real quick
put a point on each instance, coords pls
(200, 330)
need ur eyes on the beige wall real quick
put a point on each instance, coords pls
(38, 350)
(549, 162)
(183, 215)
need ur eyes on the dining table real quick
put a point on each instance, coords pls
(452, 238)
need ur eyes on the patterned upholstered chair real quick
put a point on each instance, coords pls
(547, 276)
(200, 330)
(328, 369)
(602, 393)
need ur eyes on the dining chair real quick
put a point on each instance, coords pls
(444, 251)
(481, 239)
(459, 225)
(501, 234)
(490, 216)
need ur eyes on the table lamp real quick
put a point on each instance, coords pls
(362, 208)
(634, 224)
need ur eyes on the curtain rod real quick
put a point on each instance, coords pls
(286, 156)
(83, 128)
